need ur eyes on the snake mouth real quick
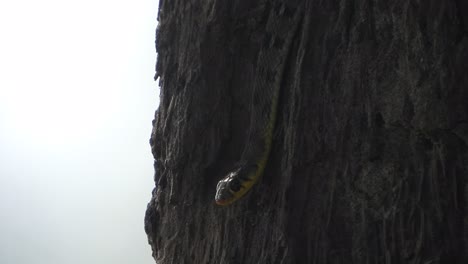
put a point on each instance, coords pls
(223, 202)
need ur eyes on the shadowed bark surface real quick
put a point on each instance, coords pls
(369, 162)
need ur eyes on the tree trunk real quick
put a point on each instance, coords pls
(369, 161)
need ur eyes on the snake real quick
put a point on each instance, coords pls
(283, 20)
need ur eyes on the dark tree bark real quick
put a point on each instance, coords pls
(369, 161)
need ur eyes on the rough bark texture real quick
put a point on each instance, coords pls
(370, 155)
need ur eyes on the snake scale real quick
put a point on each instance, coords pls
(283, 20)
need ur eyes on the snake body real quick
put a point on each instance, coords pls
(280, 28)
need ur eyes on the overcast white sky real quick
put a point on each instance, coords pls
(77, 98)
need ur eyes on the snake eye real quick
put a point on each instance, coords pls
(235, 185)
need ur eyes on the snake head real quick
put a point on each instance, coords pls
(235, 185)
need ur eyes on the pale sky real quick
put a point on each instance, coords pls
(77, 98)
